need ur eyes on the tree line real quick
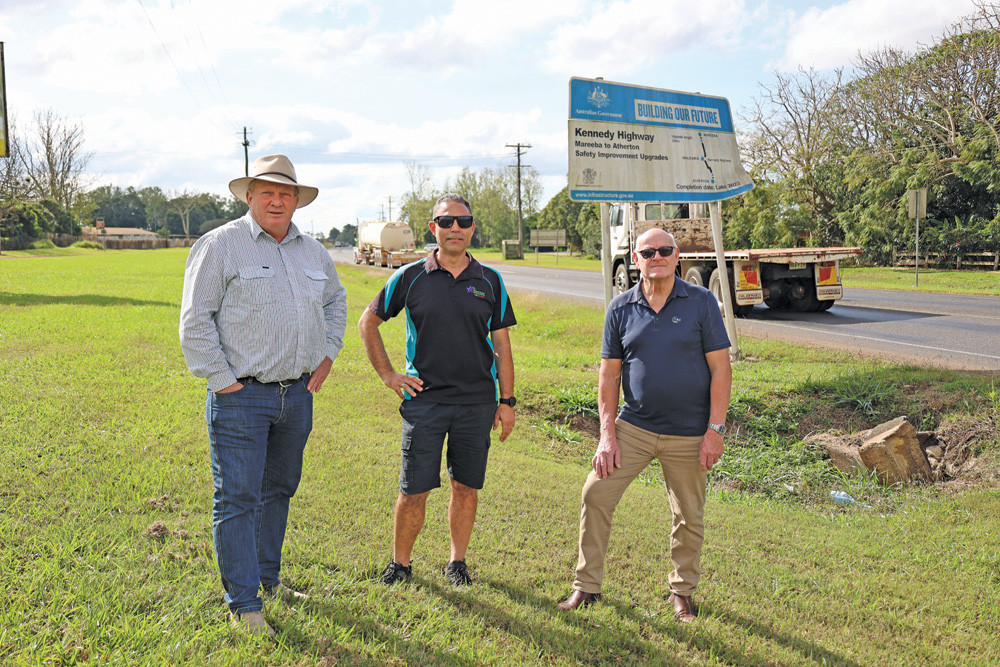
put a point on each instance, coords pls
(832, 155)
(44, 190)
(491, 191)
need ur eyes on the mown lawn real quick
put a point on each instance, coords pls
(105, 490)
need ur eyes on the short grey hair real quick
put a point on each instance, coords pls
(451, 196)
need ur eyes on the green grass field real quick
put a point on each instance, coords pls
(105, 492)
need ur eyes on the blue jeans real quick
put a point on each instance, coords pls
(257, 436)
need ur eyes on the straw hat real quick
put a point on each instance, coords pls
(276, 169)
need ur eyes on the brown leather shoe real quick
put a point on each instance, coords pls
(684, 610)
(579, 599)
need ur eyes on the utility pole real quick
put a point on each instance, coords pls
(520, 214)
(390, 209)
(246, 152)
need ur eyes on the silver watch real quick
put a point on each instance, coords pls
(718, 428)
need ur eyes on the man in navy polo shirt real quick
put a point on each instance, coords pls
(665, 346)
(454, 306)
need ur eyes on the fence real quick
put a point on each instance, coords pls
(990, 261)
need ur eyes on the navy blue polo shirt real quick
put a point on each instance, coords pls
(448, 322)
(665, 378)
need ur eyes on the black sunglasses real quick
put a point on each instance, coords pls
(665, 251)
(446, 221)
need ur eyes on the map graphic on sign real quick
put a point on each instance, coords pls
(629, 143)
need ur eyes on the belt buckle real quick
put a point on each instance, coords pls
(285, 384)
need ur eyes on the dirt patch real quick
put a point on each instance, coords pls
(825, 418)
(157, 531)
(585, 424)
(963, 442)
(163, 503)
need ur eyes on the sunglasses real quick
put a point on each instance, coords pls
(665, 251)
(446, 221)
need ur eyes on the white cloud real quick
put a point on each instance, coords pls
(833, 37)
(470, 31)
(625, 36)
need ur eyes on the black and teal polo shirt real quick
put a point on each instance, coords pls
(448, 325)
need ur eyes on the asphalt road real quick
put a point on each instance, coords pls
(943, 330)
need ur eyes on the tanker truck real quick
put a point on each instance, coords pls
(797, 279)
(387, 244)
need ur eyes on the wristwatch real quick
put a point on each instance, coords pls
(509, 401)
(718, 428)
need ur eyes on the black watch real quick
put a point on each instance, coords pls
(509, 401)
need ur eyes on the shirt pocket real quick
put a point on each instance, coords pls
(255, 288)
(316, 284)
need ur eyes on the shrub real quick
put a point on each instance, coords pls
(89, 245)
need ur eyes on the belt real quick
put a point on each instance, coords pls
(279, 383)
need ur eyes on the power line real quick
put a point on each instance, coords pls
(520, 216)
(169, 57)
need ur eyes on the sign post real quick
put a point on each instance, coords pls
(917, 208)
(4, 148)
(632, 143)
(4, 130)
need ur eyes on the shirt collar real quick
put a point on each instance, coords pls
(431, 264)
(256, 230)
(635, 295)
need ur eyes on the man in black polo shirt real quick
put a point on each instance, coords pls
(454, 306)
(666, 347)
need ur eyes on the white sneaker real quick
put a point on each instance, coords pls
(252, 622)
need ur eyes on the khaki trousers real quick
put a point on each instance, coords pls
(685, 482)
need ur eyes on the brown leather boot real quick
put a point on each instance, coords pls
(684, 610)
(579, 599)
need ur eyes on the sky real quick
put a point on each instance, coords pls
(353, 90)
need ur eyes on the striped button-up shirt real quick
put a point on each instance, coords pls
(253, 307)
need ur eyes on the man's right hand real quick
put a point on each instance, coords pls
(399, 383)
(236, 386)
(607, 457)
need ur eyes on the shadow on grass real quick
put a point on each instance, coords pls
(535, 621)
(594, 644)
(16, 299)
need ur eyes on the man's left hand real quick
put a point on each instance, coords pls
(711, 449)
(504, 417)
(319, 375)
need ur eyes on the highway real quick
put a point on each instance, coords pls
(943, 330)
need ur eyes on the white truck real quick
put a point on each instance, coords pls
(799, 279)
(388, 244)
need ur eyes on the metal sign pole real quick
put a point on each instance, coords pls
(715, 212)
(917, 208)
(606, 253)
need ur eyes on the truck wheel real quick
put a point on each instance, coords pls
(777, 295)
(715, 286)
(803, 296)
(698, 275)
(622, 280)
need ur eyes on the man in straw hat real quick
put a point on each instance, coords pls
(262, 319)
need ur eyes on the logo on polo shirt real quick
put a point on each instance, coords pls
(474, 292)
(675, 319)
